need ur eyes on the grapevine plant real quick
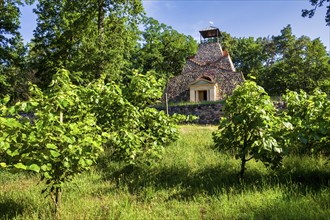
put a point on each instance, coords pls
(138, 131)
(310, 117)
(61, 132)
(61, 141)
(249, 127)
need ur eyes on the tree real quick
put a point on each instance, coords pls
(71, 125)
(298, 63)
(75, 114)
(88, 38)
(163, 49)
(317, 3)
(307, 65)
(282, 62)
(249, 126)
(94, 40)
(248, 56)
(12, 51)
(61, 141)
(310, 117)
(137, 132)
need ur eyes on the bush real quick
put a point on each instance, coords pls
(310, 117)
(249, 126)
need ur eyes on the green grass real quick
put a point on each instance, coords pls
(190, 103)
(192, 181)
(196, 103)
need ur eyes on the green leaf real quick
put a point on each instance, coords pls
(3, 164)
(5, 145)
(51, 146)
(105, 134)
(34, 103)
(20, 166)
(288, 125)
(6, 99)
(64, 103)
(23, 106)
(277, 150)
(12, 154)
(44, 167)
(89, 162)
(34, 167)
(66, 164)
(47, 175)
(82, 162)
(54, 153)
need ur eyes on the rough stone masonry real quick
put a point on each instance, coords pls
(210, 65)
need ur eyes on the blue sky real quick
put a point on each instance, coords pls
(244, 18)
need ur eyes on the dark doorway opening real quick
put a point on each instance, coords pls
(202, 95)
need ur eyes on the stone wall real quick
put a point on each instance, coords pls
(178, 87)
(207, 113)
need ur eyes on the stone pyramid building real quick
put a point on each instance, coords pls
(208, 76)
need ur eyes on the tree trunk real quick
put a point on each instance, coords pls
(100, 27)
(241, 173)
(243, 159)
(100, 18)
(58, 198)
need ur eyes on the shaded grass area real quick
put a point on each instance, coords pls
(192, 181)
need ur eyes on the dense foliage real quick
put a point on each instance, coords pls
(282, 62)
(249, 126)
(137, 131)
(13, 71)
(253, 128)
(163, 49)
(85, 96)
(71, 121)
(88, 38)
(71, 124)
(59, 142)
(310, 117)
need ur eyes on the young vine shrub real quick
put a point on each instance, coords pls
(12, 135)
(137, 132)
(249, 126)
(62, 141)
(310, 117)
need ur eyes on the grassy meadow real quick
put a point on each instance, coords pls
(191, 181)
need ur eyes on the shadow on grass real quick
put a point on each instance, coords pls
(224, 179)
(313, 180)
(9, 209)
(207, 181)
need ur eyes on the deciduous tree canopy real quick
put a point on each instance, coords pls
(12, 51)
(90, 38)
(163, 49)
(282, 62)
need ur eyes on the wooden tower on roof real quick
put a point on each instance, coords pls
(210, 33)
(208, 76)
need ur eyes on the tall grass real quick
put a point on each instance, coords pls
(191, 181)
